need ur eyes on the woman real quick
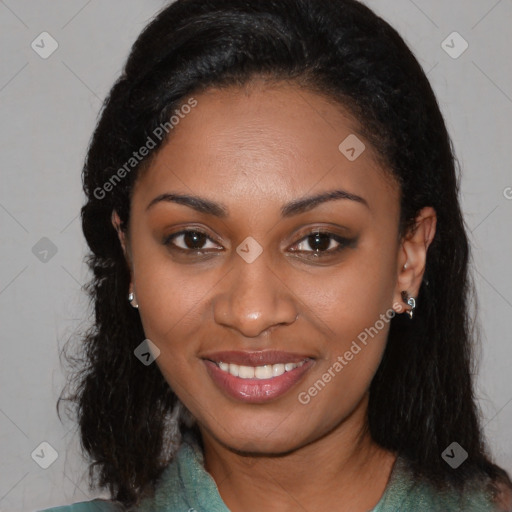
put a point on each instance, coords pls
(280, 273)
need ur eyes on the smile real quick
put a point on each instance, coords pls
(256, 377)
(268, 371)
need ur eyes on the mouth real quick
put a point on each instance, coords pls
(256, 377)
(267, 371)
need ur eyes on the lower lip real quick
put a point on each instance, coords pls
(256, 390)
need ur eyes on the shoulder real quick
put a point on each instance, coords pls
(503, 497)
(97, 505)
(406, 492)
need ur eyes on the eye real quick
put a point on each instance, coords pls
(322, 243)
(191, 240)
(316, 244)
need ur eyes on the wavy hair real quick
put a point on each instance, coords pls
(422, 397)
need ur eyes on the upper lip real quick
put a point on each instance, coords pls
(255, 358)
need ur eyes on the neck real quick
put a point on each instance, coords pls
(344, 470)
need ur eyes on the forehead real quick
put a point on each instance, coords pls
(268, 143)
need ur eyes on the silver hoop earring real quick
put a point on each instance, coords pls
(131, 298)
(410, 301)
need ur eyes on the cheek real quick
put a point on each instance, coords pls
(353, 307)
(168, 294)
(352, 298)
(341, 381)
(171, 306)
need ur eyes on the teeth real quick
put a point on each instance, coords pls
(267, 371)
(246, 372)
(234, 369)
(263, 372)
(278, 369)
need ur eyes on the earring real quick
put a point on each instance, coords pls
(131, 298)
(410, 301)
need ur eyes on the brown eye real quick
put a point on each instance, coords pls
(194, 239)
(320, 243)
(190, 240)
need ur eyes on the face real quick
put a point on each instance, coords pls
(270, 309)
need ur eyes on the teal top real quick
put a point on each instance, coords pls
(185, 486)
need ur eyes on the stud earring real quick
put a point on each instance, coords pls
(410, 301)
(131, 299)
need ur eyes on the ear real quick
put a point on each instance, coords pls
(116, 222)
(413, 254)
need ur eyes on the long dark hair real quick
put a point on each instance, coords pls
(421, 399)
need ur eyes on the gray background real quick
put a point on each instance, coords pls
(48, 109)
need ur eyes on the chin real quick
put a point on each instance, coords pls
(261, 436)
(263, 446)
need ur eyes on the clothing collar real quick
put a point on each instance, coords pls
(186, 486)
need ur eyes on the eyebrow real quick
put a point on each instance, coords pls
(295, 207)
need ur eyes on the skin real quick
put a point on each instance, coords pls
(254, 150)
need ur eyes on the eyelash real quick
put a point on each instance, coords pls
(342, 243)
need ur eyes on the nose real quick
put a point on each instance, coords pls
(254, 299)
